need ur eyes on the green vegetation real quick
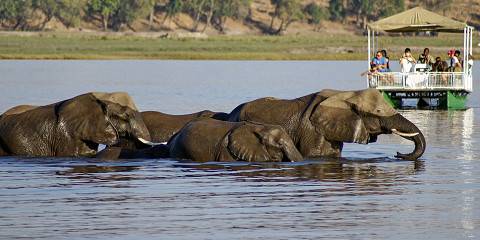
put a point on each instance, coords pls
(115, 14)
(315, 14)
(287, 11)
(364, 10)
(328, 47)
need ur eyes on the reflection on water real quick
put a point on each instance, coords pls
(165, 197)
(367, 194)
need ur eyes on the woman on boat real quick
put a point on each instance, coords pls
(407, 61)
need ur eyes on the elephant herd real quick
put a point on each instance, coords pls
(263, 130)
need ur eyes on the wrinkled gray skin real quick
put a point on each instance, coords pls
(213, 140)
(163, 126)
(71, 128)
(321, 122)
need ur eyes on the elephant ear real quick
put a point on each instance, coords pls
(120, 98)
(338, 120)
(86, 118)
(371, 101)
(244, 144)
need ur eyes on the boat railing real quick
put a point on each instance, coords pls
(421, 80)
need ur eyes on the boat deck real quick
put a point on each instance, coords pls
(450, 88)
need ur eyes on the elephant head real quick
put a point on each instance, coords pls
(261, 143)
(19, 109)
(360, 116)
(101, 118)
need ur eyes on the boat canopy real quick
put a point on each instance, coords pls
(417, 20)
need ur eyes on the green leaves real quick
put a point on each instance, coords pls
(287, 11)
(337, 10)
(116, 13)
(15, 12)
(174, 7)
(316, 13)
(364, 10)
(70, 12)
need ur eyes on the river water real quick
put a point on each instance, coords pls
(367, 194)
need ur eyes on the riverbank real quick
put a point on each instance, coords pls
(188, 46)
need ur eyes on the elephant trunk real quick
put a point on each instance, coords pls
(397, 124)
(291, 153)
(139, 129)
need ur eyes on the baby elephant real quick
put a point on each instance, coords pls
(213, 140)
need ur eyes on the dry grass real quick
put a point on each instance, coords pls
(114, 46)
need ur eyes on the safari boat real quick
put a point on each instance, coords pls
(450, 89)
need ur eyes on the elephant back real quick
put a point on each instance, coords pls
(19, 109)
(264, 110)
(186, 145)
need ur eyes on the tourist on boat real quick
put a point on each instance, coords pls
(407, 61)
(426, 58)
(379, 63)
(439, 65)
(470, 62)
(384, 52)
(458, 65)
(454, 64)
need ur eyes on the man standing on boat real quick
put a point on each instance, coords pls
(426, 58)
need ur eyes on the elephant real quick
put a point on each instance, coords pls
(163, 126)
(321, 122)
(73, 127)
(214, 140)
(18, 109)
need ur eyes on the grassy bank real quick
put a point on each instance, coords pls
(91, 46)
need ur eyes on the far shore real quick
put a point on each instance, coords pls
(196, 46)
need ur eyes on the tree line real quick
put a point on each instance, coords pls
(114, 14)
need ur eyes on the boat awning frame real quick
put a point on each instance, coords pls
(420, 20)
(417, 20)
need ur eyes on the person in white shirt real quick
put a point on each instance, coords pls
(457, 62)
(407, 61)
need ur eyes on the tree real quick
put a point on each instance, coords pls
(434, 5)
(70, 12)
(391, 7)
(316, 14)
(15, 13)
(366, 10)
(128, 11)
(337, 10)
(199, 9)
(287, 11)
(104, 9)
(172, 8)
(67, 11)
(50, 8)
(229, 8)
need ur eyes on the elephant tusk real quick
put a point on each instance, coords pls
(101, 147)
(402, 134)
(148, 142)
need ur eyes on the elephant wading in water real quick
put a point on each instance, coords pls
(74, 127)
(320, 123)
(213, 140)
(163, 126)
